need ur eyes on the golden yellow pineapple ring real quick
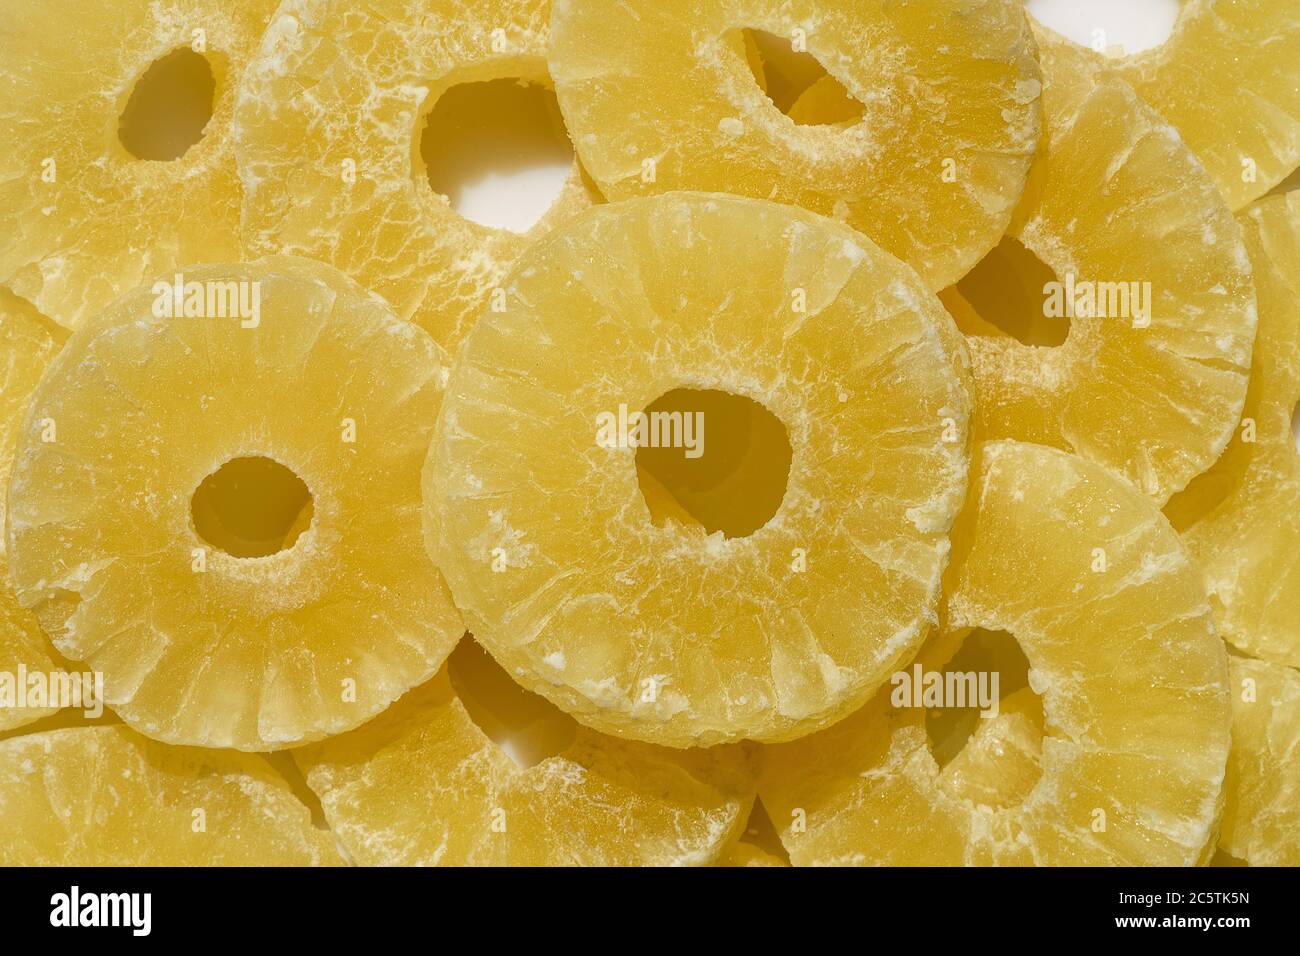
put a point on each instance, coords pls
(110, 172)
(215, 509)
(422, 784)
(1126, 763)
(331, 122)
(658, 95)
(659, 631)
(1146, 268)
(1246, 132)
(105, 796)
(1241, 519)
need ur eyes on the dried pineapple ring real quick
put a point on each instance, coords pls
(330, 118)
(145, 805)
(1261, 815)
(423, 785)
(23, 650)
(659, 632)
(1241, 519)
(659, 96)
(1132, 677)
(1116, 200)
(1247, 134)
(85, 218)
(216, 619)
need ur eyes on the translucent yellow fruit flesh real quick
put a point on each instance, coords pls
(1261, 815)
(423, 784)
(1246, 132)
(119, 128)
(741, 853)
(1132, 680)
(339, 174)
(261, 634)
(650, 628)
(826, 103)
(1152, 375)
(104, 796)
(1241, 519)
(659, 96)
(24, 651)
(28, 342)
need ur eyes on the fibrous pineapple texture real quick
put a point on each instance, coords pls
(117, 120)
(658, 95)
(1133, 344)
(424, 784)
(1121, 761)
(657, 626)
(1241, 519)
(221, 513)
(335, 158)
(105, 796)
(1228, 78)
(1261, 817)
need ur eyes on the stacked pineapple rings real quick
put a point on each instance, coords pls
(880, 451)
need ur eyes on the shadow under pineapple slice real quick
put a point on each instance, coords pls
(225, 520)
(471, 769)
(1124, 766)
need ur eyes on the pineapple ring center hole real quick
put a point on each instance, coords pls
(785, 73)
(710, 459)
(526, 727)
(498, 150)
(989, 666)
(169, 107)
(251, 507)
(1113, 27)
(1014, 291)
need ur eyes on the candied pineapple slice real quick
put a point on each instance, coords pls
(652, 628)
(28, 342)
(1111, 615)
(659, 96)
(1261, 815)
(105, 796)
(1146, 265)
(1246, 131)
(24, 650)
(119, 161)
(224, 516)
(340, 174)
(424, 784)
(1241, 519)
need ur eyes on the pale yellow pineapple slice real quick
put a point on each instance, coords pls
(1150, 379)
(658, 96)
(1228, 79)
(425, 784)
(331, 123)
(1261, 815)
(118, 164)
(105, 796)
(224, 516)
(28, 341)
(1112, 618)
(1241, 519)
(654, 629)
(24, 651)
